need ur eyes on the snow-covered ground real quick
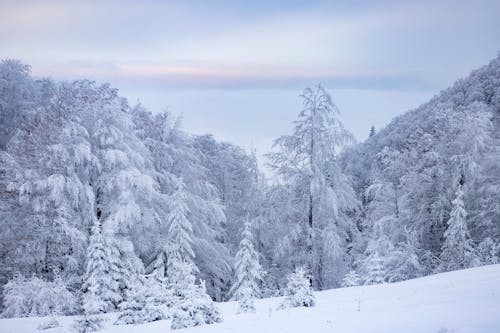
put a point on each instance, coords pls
(466, 301)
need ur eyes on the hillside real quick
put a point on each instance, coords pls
(409, 174)
(465, 301)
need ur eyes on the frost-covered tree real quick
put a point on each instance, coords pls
(351, 279)
(91, 320)
(193, 306)
(24, 297)
(324, 196)
(100, 291)
(99, 285)
(131, 309)
(375, 272)
(143, 303)
(298, 290)
(179, 230)
(457, 252)
(488, 251)
(248, 273)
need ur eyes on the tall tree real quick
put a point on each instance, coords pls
(307, 158)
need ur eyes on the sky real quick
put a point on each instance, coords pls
(236, 69)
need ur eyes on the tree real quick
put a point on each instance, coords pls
(307, 158)
(351, 279)
(375, 270)
(298, 291)
(132, 308)
(372, 131)
(98, 285)
(457, 251)
(248, 273)
(488, 251)
(179, 230)
(193, 306)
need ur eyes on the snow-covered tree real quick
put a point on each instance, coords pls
(24, 297)
(298, 290)
(488, 251)
(351, 279)
(99, 285)
(457, 251)
(179, 230)
(99, 288)
(325, 197)
(131, 309)
(375, 272)
(193, 306)
(248, 273)
(91, 320)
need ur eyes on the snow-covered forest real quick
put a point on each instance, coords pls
(108, 207)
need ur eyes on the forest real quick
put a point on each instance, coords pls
(108, 207)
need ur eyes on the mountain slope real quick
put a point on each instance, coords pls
(407, 176)
(465, 301)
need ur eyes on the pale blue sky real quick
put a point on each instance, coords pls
(235, 68)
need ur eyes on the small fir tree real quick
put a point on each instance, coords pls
(97, 282)
(457, 251)
(488, 251)
(132, 309)
(298, 290)
(375, 270)
(351, 279)
(193, 307)
(180, 230)
(248, 273)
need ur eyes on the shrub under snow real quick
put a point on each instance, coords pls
(24, 297)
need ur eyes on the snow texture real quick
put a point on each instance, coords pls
(464, 301)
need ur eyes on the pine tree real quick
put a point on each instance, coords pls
(180, 229)
(488, 251)
(143, 303)
(351, 279)
(97, 282)
(375, 270)
(132, 308)
(457, 251)
(248, 273)
(298, 290)
(193, 306)
(372, 131)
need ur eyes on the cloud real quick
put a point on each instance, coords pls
(159, 76)
(395, 45)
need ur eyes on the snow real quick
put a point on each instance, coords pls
(465, 301)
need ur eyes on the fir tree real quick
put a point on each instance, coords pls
(488, 251)
(180, 229)
(97, 282)
(298, 290)
(351, 279)
(132, 308)
(375, 270)
(193, 306)
(248, 273)
(457, 251)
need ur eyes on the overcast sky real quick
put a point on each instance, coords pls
(235, 68)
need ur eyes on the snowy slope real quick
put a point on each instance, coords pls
(466, 301)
